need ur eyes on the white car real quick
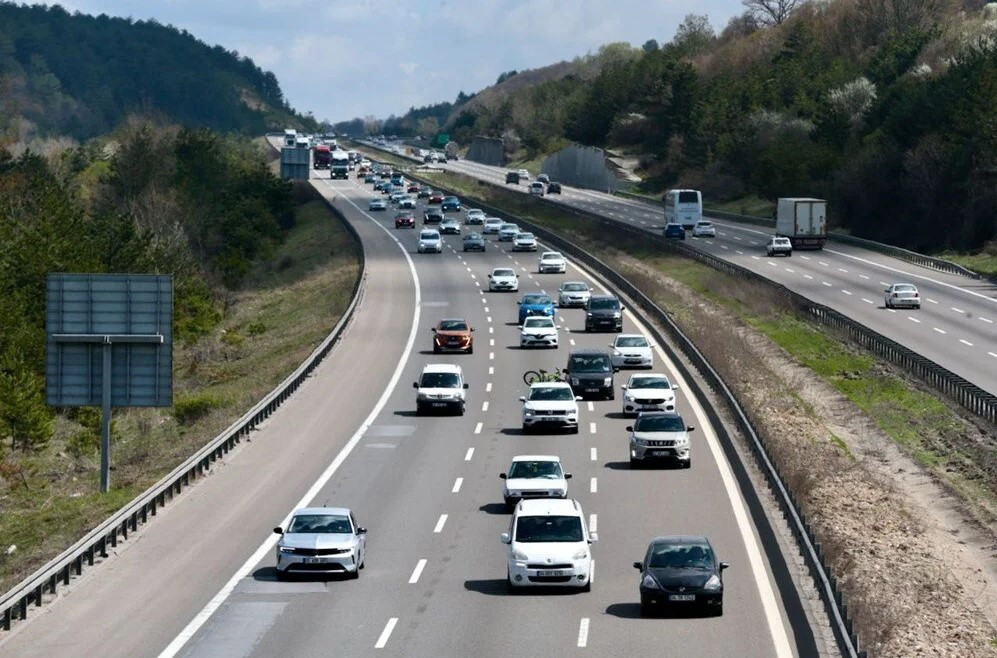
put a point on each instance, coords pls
(534, 476)
(777, 245)
(573, 293)
(648, 392)
(406, 202)
(549, 545)
(538, 331)
(321, 540)
(474, 216)
(430, 242)
(552, 261)
(704, 230)
(550, 404)
(537, 188)
(523, 174)
(632, 351)
(524, 242)
(377, 204)
(503, 279)
(508, 232)
(441, 387)
(902, 294)
(492, 225)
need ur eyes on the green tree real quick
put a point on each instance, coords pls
(24, 417)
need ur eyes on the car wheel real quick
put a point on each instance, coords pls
(645, 610)
(436, 349)
(513, 588)
(790, 255)
(634, 464)
(687, 463)
(526, 429)
(281, 575)
(574, 430)
(470, 350)
(353, 575)
(420, 410)
(460, 410)
(612, 395)
(587, 587)
(718, 611)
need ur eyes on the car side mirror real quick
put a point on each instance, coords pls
(505, 538)
(616, 369)
(517, 276)
(593, 537)
(517, 303)
(415, 384)
(433, 330)
(567, 476)
(690, 428)
(675, 387)
(467, 385)
(361, 531)
(278, 530)
(522, 398)
(578, 398)
(624, 387)
(622, 309)
(639, 566)
(630, 428)
(724, 565)
(503, 476)
(472, 328)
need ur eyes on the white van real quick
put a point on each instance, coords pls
(549, 542)
(537, 188)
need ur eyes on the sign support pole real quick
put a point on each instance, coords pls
(105, 424)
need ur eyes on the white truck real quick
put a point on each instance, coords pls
(803, 221)
(290, 137)
(340, 167)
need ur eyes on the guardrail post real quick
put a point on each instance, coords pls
(103, 546)
(90, 556)
(6, 619)
(53, 582)
(38, 596)
(65, 575)
(22, 607)
(78, 563)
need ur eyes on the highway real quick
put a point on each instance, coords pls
(199, 581)
(956, 326)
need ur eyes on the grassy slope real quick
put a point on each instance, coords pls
(290, 303)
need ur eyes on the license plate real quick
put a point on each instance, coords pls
(550, 573)
(681, 597)
(661, 453)
(591, 390)
(314, 560)
(439, 404)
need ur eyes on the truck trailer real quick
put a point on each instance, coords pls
(803, 221)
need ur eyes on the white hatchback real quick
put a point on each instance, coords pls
(524, 242)
(430, 242)
(704, 230)
(538, 331)
(503, 279)
(632, 351)
(549, 545)
(492, 225)
(573, 293)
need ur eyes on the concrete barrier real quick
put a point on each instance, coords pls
(581, 166)
(487, 150)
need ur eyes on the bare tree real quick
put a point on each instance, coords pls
(771, 12)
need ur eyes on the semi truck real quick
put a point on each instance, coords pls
(290, 137)
(803, 221)
(340, 167)
(322, 157)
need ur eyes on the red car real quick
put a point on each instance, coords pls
(404, 220)
(436, 197)
(413, 188)
(453, 335)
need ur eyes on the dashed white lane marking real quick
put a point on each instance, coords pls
(826, 284)
(930, 300)
(491, 370)
(488, 387)
(439, 524)
(913, 319)
(723, 246)
(486, 310)
(958, 310)
(591, 406)
(892, 310)
(484, 405)
(593, 523)
(820, 262)
(738, 251)
(807, 276)
(759, 258)
(456, 485)
(469, 454)
(593, 454)
(491, 342)
(941, 331)
(484, 301)
(571, 340)
(841, 269)
(791, 270)
(863, 276)
(491, 330)
(992, 354)
(987, 320)
(883, 283)
(594, 485)
(491, 356)
(965, 342)
(868, 301)
(805, 257)
(591, 428)
(419, 566)
(382, 641)
(847, 292)
(583, 632)
(478, 428)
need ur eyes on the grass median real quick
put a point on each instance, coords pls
(288, 304)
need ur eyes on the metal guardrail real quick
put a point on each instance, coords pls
(831, 595)
(31, 591)
(939, 264)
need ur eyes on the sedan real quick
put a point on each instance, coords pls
(435, 197)
(551, 261)
(413, 188)
(432, 216)
(474, 242)
(507, 232)
(425, 191)
(370, 178)
(321, 540)
(648, 392)
(404, 220)
(573, 293)
(430, 242)
(681, 572)
(474, 216)
(451, 204)
(538, 332)
(704, 230)
(503, 279)
(632, 351)
(377, 204)
(902, 294)
(492, 226)
(450, 226)
(453, 335)
(524, 242)
(676, 231)
(660, 435)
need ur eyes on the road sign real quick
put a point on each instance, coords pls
(442, 139)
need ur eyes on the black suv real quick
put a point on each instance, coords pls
(512, 177)
(553, 188)
(604, 313)
(590, 373)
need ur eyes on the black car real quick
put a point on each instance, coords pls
(474, 242)
(589, 371)
(674, 230)
(512, 177)
(681, 572)
(425, 191)
(432, 216)
(451, 203)
(553, 188)
(604, 313)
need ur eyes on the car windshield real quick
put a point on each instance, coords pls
(439, 380)
(547, 470)
(320, 523)
(493, 222)
(503, 273)
(659, 424)
(574, 287)
(510, 227)
(550, 256)
(551, 393)
(473, 237)
(904, 287)
(590, 363)
(604, 304)
(429, 235)
(631, 341)
(704, 224)
(451, 199)
(536, 299)
(530, 529)
(535, 323)
(680, 556)
(688, 197)
(450, 221)
(453, 325)
(649, 382)
(524, 236)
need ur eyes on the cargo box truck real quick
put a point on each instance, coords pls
(803, 221)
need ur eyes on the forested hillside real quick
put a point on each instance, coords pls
(886, 107)
(80, 76)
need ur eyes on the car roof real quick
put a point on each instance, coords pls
(452, 320)
(567, 282)
(441, 367)
(619, 336)
(680, 539)
(322, 510)
(536, 458)
(656, 414)
(550, 384)
(597, 297)
(503, 268)
(650, 374)
(587, 351)
(549, 506)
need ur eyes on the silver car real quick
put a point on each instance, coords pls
(321, 540)
(508, 232)
(902, 294)
(660, 435)
(573, 293)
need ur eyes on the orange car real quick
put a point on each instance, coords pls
(453, 335)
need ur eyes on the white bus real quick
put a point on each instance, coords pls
(683, 207)
(290, 137)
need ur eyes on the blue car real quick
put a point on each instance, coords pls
(451, 203)
(537, 303)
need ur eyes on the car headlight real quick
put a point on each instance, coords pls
(713, 584)
(608, 381)
(684, 441)
(639, 441)
(519, 555)
(629, 398)
(616, 314)
(588, 315)
(648, 582)
(580, 555)
(527, 412)
(286, 549)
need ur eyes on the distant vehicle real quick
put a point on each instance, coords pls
(553, 188)
(435, 197)
(537, 188)
(573, 293)
(507, 232)
(523, 174)
(543, 178)
(302, 142)
(451, 204)
(492, 225)
(512, 177)
(453, 335)
(535, 303)
(902, 294)
(404, 219)
(632, 351)
(660, 435)
(321, 540)
(550, 404)
(406, 201)
(450, 226)
(340, 167)
(803, 221)
(451, 151)
(430, 242)
(524, 242)
(424, 191)
(604, 312)
(377, 204)
(503, 279)
(551, 261)
(290, 137)
(545, 533)
(474, 216)
(704, 229)
(777, 245)
(321, 157)
(474, 242)
(648, 392)
(354, 158)
(432, 216)
(534, 476)
(683, 207)
(370, 178)
(538, 332)
(675, 231)
(681, 572)
(440, 388)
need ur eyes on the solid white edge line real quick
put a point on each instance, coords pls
(209, 609)
(382, 640)
(583, 632)
(440, 523)
(419, 566)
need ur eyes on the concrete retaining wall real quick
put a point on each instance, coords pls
(581, 166)
(487, 150)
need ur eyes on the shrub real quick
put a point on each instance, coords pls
(189, 408)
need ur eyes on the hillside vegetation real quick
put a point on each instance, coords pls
(885, 107)
(75, 75)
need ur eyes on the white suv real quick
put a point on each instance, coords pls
(440, 388)
(549, 545)
(534, 476)
(550, 404)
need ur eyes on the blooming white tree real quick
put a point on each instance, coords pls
(853, 99)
